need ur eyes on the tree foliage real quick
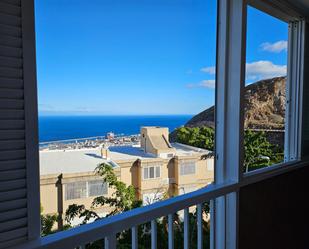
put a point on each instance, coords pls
(258, 151)
(122, 199)
(47, 224)
(202, 137)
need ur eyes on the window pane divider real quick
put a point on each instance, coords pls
(230, 78)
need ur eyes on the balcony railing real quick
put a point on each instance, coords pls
(107, 228)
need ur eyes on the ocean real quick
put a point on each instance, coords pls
(53, 128)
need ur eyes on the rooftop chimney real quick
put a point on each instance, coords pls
(155, 140)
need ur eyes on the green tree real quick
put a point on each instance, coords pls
(202, 137)
(259, 152)
(47, 223)
(122, 199)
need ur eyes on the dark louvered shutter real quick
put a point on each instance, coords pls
(19, 173)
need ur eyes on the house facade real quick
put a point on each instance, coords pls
(161, 171)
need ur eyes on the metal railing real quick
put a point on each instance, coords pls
(108, 228)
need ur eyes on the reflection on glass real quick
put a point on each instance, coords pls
(265, 91)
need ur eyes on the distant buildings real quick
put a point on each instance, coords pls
(155, 168)
(110, 135)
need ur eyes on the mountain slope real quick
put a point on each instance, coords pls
(264, 103)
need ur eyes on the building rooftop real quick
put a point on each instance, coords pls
(186, 150)
(86, 160)
(155, 140)
(69, 161)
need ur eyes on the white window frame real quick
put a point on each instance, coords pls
(87, 189)
(184, 164)
(154, 172)
(230, 81)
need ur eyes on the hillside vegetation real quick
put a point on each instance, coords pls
(264, 104)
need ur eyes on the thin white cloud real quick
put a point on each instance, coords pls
(211, 84)
(264, 69)
(276, 47)
(256, 70)
(209, 70)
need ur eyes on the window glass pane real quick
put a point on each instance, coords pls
(158, 171)
(151, 172)
(145, 173)
(96, 188)
(154, 61)
(265, 90)
(76, 190)
(187, 168)
(181, 170)
(191, 168)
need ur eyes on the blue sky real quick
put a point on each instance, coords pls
(116, 57)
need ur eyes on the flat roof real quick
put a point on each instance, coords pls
(134, 152)
(127, 153)
(69, 161)
(186, 150)
(86, 160)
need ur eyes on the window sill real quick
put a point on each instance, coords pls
(271, 171)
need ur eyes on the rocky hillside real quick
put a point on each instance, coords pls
(264, 106)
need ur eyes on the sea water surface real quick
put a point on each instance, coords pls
(53, 128)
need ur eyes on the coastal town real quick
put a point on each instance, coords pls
(110, 139)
